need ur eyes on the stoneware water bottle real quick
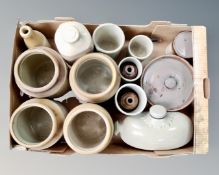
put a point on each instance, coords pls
(73, 40)
(94, 78)
(156, 129)
(37, 123)
(168, 81)
(88, 129)
(33, 38)
(109, 39)
(41, 72)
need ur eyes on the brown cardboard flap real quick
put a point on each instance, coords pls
(201, 89)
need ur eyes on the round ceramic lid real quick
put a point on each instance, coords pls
(168, 81)
(182, 44)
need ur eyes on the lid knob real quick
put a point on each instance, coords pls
(158, 111)
(71, 34)
(170, 82)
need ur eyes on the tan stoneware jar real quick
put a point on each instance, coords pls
(37, 123)
(88, 128)
(94, 78)
(33, 38)
(41, 72)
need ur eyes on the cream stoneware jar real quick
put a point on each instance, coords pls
(33, 38)
(88, 129)
(37, 123)
(41, 72)
(109, 39)
(73, 40)
(94, 78)
(156, 129)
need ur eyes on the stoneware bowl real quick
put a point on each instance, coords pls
(126, 97)
(130, 69)
(94, 78)
(140, 47)
(88, 129)
(168, 81)
(37, 123)
(109, 38)
(41, 72)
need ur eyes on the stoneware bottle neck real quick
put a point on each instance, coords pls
(71, 34)
(157, 112)
(26, 32)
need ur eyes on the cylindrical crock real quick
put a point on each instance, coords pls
(41, 72)
(94, 78)
(37, 123)
(88, 128)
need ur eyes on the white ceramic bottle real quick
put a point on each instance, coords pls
(33, 38)
(156, 129)
(73, 40)
(41, 72)
(37, 123)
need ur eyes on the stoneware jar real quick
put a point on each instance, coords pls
(41, 72)
(109, 39)
(130, 99)
(141, 47)
(168, 81)
(130, 69)
(37, 123)
(73, 40)
(88, 129)
(94, 78)
(33, 38)
(156, 129)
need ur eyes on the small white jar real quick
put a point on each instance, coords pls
(37, 123)
(88, 129)
(109, 39)
(73, 40)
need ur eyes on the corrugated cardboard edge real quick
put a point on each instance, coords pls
(201, 90)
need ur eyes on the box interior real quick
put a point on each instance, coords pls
(162, 34)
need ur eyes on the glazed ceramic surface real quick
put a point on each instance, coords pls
(33, 38)
(73, 40)
(156, 130)
(140, 47)
(37, 123)
(130, 69)
(127, 95)
(168, 81)
(109, 39)
(182, 44)
(88, 129)
(41, 72)
(94, 78)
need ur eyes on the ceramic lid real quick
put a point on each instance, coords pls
(168, 81)
(182, 44)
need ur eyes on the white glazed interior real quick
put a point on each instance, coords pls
(33, 125)
(108, 38)
(94, 76)
(140, 46)
(141, 95)
(134, 61)
(37, 72)
(87, 130)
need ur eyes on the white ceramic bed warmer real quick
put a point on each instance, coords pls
(156, 129)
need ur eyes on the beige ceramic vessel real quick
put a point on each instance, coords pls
(33, 38)
(37, 123)
(41, 72)
(94, 78)
(88, 129)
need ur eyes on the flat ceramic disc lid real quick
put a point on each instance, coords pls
(168, 81)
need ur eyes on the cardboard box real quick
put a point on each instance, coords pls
(162, 31)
